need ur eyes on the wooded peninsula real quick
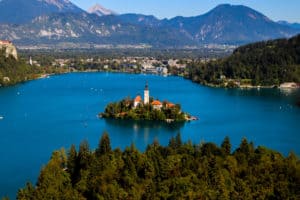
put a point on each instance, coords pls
(267, 63)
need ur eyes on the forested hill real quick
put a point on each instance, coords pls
(13, 71)
(178, 171)
(263, 63)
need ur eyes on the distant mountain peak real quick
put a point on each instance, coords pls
(100, 10)
(238, 11)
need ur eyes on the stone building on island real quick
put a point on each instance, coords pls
(156, 104)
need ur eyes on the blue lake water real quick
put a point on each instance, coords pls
(47, 114)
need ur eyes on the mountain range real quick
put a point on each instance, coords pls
(53, 22)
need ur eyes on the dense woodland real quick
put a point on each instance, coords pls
(124, 110)
(263, 63)
(177, 171)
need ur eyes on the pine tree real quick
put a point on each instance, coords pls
(26, 193)
(104, 145)
(84, 155)
(244, 147)
(72, 164)
(226, 146)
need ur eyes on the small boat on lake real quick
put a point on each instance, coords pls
(1, 117)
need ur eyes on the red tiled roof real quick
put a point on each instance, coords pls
(170, 105)
(138, 99)
(156, 103)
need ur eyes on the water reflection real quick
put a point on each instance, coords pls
(141, 133)
(145, 126)
(288, 95)
(288, 91)
(293, 93)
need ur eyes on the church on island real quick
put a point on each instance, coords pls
(145, 109)
(156, 104)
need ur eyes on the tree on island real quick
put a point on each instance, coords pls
(125, 110)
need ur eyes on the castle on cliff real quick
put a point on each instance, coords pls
(10, 49)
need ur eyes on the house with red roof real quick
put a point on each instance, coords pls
(170, 105)
(137, 101)
(157, 105)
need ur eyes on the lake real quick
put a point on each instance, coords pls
(47, 114)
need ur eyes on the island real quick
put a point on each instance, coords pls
(147, 109)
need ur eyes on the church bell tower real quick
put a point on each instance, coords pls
(146, 94)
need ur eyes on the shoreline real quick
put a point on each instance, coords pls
(258, 87)
(203, 84)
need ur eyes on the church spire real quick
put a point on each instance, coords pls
(146, 94)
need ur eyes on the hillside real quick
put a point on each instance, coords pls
(23, 11)
(230, 24)
(13, 71)
(264, 63)
(71, 28)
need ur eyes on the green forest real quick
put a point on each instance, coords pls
(15, 70)
(124, 110)
(264, 63)
(177, 171)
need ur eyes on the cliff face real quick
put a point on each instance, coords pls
(10, 49)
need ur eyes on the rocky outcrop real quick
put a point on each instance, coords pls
(10, 49)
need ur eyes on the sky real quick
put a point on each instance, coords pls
(288, 10)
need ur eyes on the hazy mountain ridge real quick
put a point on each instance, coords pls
(225, 24)
(23, 11)
(292, 25)
(85, 28)
(231, 24)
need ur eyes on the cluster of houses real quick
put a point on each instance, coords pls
(156, 104)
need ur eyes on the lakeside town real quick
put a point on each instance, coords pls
(132, 64)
